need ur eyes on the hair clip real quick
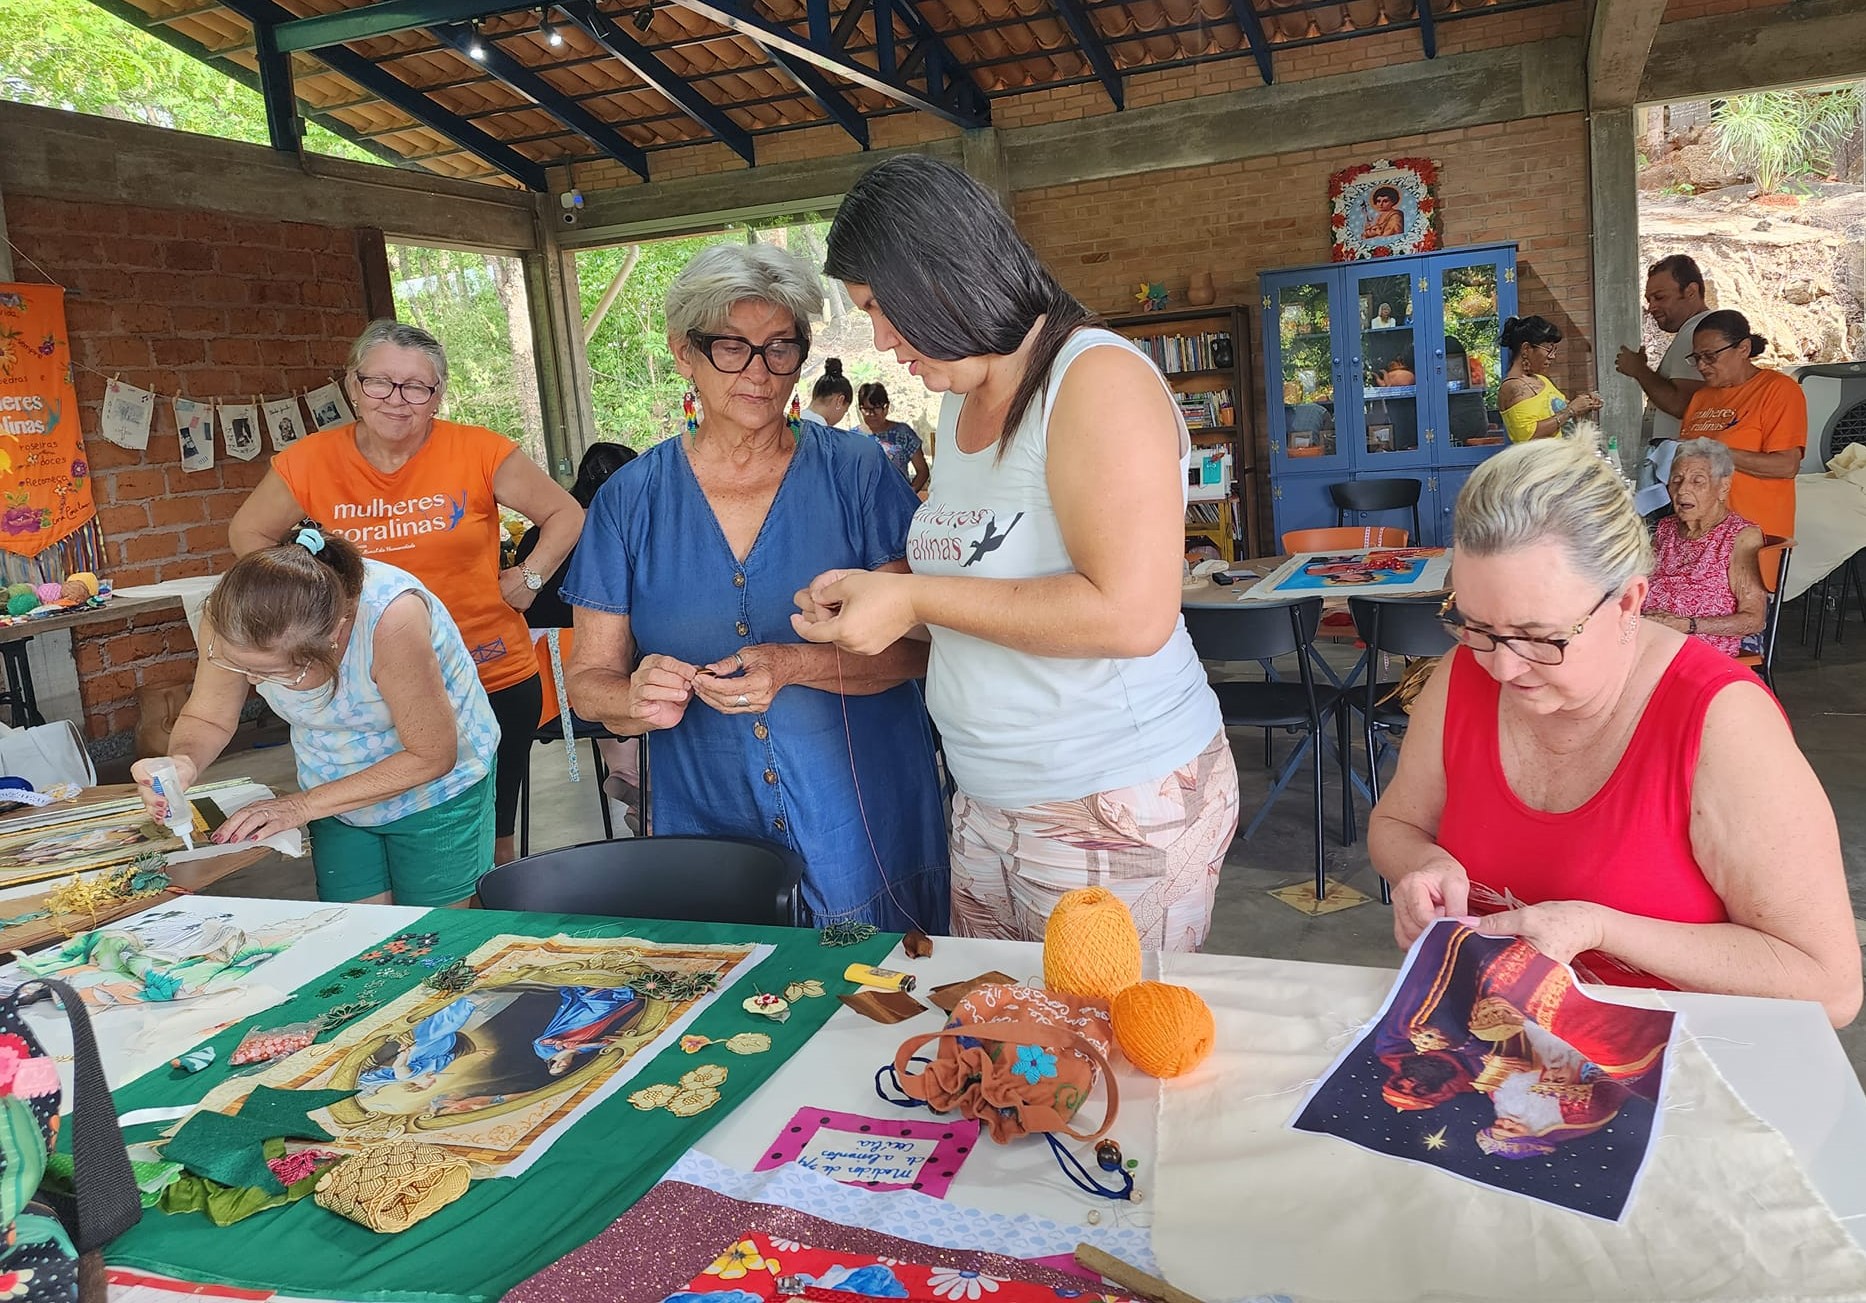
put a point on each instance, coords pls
(310, 540)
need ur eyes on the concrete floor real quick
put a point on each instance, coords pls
(1826, 701)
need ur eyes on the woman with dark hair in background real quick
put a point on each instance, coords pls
(1531, 406)
(897, 439)
(1759, 414)
(391, 729)
(1084, 738)
(830, 397)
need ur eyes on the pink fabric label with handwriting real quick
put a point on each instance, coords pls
(874, 1153)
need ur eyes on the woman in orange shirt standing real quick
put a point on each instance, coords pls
(424, 495)
(1761, 415)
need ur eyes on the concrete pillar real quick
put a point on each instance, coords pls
(981, 153)
(1618, 284)
(557, 334)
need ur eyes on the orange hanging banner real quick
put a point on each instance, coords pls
(45, 478)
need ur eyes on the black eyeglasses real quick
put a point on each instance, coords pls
(413, 392)
(1699, 359)
(1542, 651)
(731, 354)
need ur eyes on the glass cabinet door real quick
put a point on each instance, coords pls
(1474, 296)
(1302, 372)
(1392, 425)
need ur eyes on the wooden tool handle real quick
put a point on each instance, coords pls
(1129, 1277)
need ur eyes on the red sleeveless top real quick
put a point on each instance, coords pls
(1627, 847)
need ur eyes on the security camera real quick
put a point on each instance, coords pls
(571, 199)
(571, 216)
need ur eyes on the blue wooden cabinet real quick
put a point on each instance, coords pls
(1381, 369)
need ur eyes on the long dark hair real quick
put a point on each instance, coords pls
(291, 597)
(1518, 331)
(600, 461)
(1733, 327)
(946, 263)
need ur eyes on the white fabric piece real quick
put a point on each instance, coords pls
(1724, 1210)
(194, 427)
(328, 406)
(1830, 526)
(239, 428)
(908, 1214)
(128, 413)
(192, 593)
(284, 422)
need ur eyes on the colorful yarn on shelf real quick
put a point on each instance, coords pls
(1090, 945)
(49, 592)
(1164, 1030)
(86, 578)
(21, 603)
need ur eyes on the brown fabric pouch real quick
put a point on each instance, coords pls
(1018, 1060)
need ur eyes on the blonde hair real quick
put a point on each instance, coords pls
(1564, 490)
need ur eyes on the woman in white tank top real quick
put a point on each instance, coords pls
(1078, 724)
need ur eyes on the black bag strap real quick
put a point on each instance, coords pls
(105, 1202)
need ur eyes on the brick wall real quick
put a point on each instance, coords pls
(1521, 181)
(202, 305)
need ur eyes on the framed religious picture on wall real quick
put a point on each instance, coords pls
(1383, 209)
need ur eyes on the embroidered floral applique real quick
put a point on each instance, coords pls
(1034, 1063)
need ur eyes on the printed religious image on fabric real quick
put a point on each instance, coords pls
(496, 1072)
(1489, 1062)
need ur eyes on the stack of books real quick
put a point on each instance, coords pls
(1172, 353)
(1207, 411)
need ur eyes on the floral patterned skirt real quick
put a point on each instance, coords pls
(1157, 845)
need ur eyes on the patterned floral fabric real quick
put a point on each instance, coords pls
(1692, 575)
(1157, 845)
(900, 442)
(336, 733)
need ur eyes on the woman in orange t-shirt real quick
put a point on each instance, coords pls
(1760, 415)
(424, 495)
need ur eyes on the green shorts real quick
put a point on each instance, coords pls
(434, 857)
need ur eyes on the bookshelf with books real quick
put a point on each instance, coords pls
(1206, 355)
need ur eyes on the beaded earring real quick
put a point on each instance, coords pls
(795, 420)
(690, 408)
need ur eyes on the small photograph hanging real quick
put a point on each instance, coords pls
(285, 423)
(496, 1073)
(194, 426)
(128, 413)
(239, 428)
(328, 407)
(1383, 209)
(1489, 1062)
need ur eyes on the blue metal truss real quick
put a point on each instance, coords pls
(662, 78)
(392, 90)
(275, 88)
(526, 81)
(1083, 29)
(1428, 27)
(1246, 13)
(834, 103)
(381, 19)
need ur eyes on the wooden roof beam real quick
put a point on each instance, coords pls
(662, 78)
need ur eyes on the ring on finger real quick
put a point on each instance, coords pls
(743, 701)
(738, 658)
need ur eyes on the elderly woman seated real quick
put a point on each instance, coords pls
(1706, 581)
(1613, 791)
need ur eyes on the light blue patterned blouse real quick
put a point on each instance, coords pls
(336, 734)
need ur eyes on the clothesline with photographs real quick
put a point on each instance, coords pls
(129, 414)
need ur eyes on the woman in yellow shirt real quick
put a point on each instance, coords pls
(1531, 405)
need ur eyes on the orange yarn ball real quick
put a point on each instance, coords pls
(1090, 945)
(1165, 1030)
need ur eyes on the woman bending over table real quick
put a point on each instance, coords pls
(426, 493)
(391, 729)
(1078, 724)
(1705, 581)
(684, 584)
(1617, 793)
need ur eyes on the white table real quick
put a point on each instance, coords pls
(1780, 1057)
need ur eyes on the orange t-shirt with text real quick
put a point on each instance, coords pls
(435, 518)
(1766, 413)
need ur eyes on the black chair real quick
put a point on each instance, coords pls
(598, 773)
(1262, 631)
(1378, 495)
(688, 879)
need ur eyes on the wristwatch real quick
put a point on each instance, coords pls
(1694, 625)
(533, 580)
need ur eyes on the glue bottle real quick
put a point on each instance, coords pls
(177, 817)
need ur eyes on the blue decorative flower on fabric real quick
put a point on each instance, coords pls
(1034, 1063)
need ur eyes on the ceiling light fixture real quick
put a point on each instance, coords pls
(476, 50)
(548, 30)
(643, 17)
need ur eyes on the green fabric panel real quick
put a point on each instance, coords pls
(506, 1229)
(225, 1205)
(225, 1150)
(151, 1178)
(281, 1114)
(22, 1156)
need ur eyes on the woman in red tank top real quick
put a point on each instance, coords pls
(1622, 796)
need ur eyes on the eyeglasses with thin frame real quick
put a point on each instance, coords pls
(254, 676)
(732, 354)
(1699, 359)
(873, 408)
(1542, 651)
(413, 392)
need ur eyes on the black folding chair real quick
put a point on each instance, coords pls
(1262, 631)
(687, 879)
(1378, 495)
(581, 731)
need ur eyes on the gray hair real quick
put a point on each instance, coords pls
(398, 334)
(1561, 490)
(1722, 464)
(721, 276)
